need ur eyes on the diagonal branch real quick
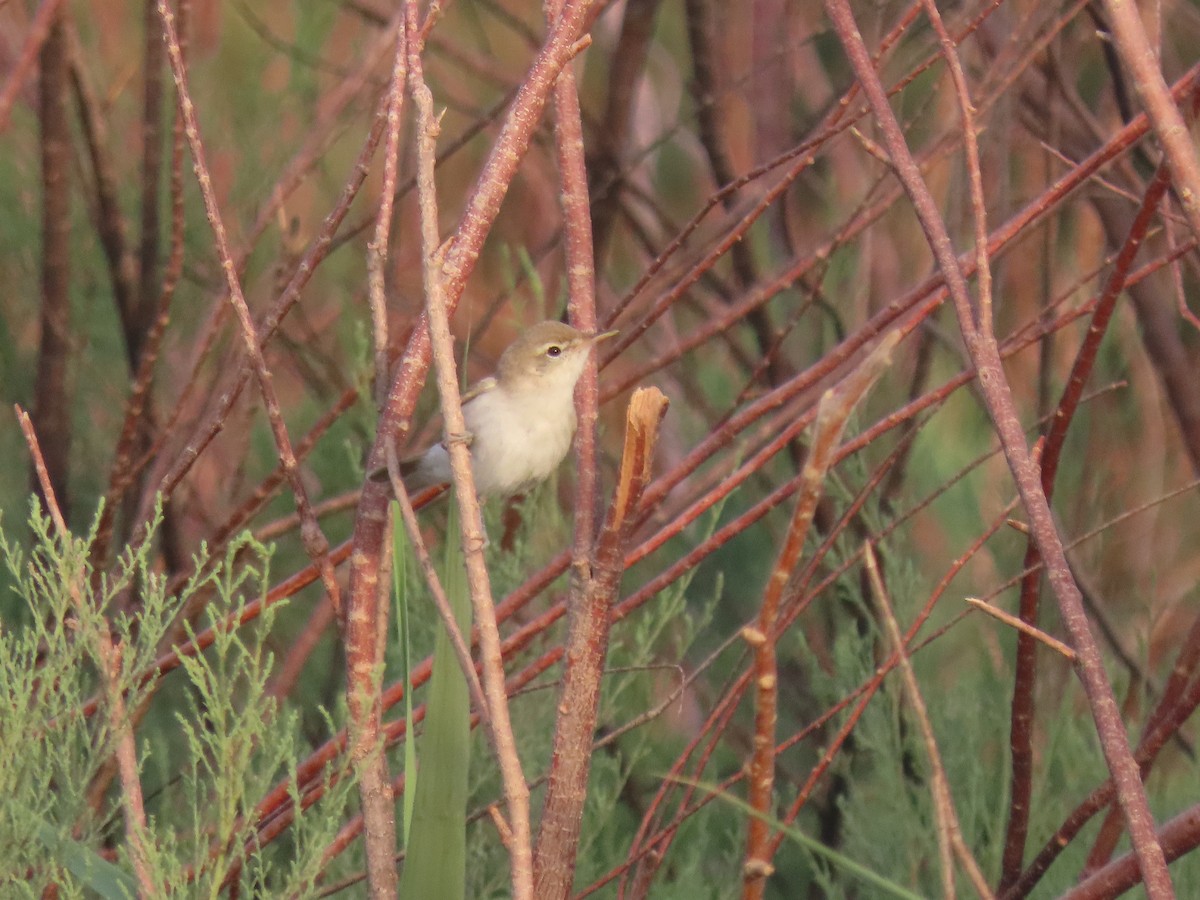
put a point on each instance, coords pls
(1132, 43)
(997, 395)
(833, 413)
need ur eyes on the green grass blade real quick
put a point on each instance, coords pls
(815, 847)
(401, 557)
(435, 865)
(93, 871)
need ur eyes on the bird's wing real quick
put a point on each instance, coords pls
(409, 464)
(479, 387)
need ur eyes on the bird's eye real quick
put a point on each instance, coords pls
(554, 350)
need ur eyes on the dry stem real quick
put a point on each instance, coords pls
(949, 831)
(997, 395)
(516, 791)
(585, 652)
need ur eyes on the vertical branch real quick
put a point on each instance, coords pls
(1139, 57)
(628, 66)
(110, 223)
(1025, 675)
(366, 615)
(587, 630)
(832, 414)
(997, 394)
(712, 123)
(516, 791)
(363, 659)
(377, 250)
(581, 296)
(123, 470)
(584, 655)
(152, 115)
(51, 401)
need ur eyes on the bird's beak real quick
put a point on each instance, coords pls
(604, 336)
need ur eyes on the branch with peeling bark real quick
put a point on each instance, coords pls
(832, 414)
(586, 649)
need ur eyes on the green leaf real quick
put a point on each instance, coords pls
(436, 861)
(92, 870)
(401, 556)
(815, 847)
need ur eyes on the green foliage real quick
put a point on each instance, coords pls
(435, 864)
(644, 660)
(283, 110)
(203, 766)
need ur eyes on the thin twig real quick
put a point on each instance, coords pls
(949, 829)
(516, 791)
(377, 249)
(1024, 627)
(440, 601)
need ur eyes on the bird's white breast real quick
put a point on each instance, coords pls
(519, 436)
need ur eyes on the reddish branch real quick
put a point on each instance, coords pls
(362, 614)
(363, 673)
(998, 398)
(584, 655)
(1025, 675)
(557, 841)
(581, 299)
(832, 415)
(52, 404)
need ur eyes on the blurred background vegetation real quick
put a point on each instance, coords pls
(747, 232)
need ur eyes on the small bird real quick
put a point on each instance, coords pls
(521, 420)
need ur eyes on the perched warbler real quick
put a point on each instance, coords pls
(521, 419)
